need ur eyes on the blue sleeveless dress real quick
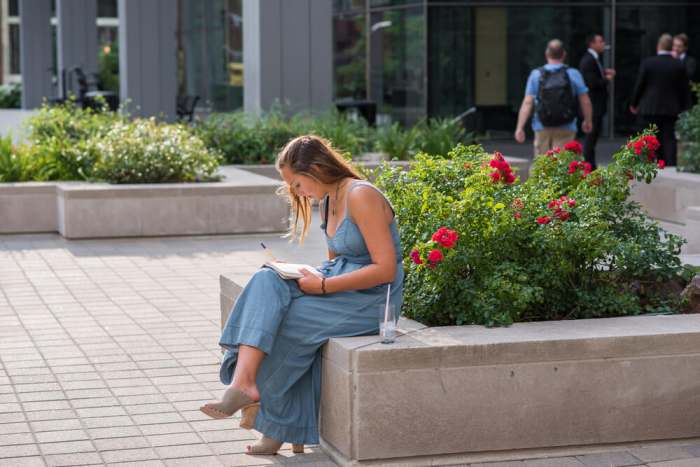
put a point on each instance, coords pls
(275, 316)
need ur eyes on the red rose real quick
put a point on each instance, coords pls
(574, 146)
(661, 163)
(552, 204)
(571, 202)
(509, 178)
(517, 215)
(495, 176)
(543, 220)
(573, 166)
(445, 237)
(651, 142)
(435, 256)
(415, 256)
(562, 215)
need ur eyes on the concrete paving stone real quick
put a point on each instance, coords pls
(86, 393)
(84, 376)
(42, 396)
(10, 428)
(134, 390)
(230, 447)
(32, 379)
(150, 463)
(127, 442)
(205, 461)
(172, 371)
(94, 402)
(46, 405)
(24, 462)
(200, 396)
(19, 450)
(73, 369)
(166, 428)
(237, 434)
(236, 460)
(554, 462)
(497, 464)
(75, 459)
(106, 422)
(149, 408)
(176, 388)
(15, 438)
(82, 385)
(62, 435)
(10, 407)
(188, 450)
(56, 425)
(50, 415)
(147, 419)
(174, 439)
(36, 387)
(142, 399)
(100, 412)
(66, 447)
(114, 432)
(660, 453)
(8, 397)
(693, 462)
(39, 371)
(129, 455)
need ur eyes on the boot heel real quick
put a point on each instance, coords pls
(248, 415)
(298, 448)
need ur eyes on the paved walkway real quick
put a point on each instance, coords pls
(108, 348)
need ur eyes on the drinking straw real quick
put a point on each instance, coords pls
(386, 309)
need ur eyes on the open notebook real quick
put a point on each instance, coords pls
(291, 270)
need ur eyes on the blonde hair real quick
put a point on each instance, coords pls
(314, 157)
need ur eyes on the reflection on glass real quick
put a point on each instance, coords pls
(349, 56)
(211, 53)
(397, 65)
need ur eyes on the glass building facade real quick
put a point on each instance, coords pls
(438, 58)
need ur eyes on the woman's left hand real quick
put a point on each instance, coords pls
(310, 283)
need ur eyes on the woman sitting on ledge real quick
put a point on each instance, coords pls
(275, 331)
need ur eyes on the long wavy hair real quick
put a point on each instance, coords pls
(314, 157)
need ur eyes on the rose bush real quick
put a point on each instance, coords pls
(482, 248)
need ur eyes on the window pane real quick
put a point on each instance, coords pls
(13, 8)
(106, 8)
(397, 65)
(14, 49)
(350, 56)
(211, 53)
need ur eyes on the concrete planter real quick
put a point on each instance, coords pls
(466, 394)
(670, 198)
(242, 203)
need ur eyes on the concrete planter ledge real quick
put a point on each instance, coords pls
(465, 394)
(242, 203)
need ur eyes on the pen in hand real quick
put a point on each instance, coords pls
(269, 253)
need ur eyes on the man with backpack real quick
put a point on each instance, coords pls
(555, 91)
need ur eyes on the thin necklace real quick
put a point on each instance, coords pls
(337, 187)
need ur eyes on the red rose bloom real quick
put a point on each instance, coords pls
(435, 256)
(495, 176)
(445, 237)
(415, 257)
(661, 163)
(543, 220)
(517, 215)
(574, 146)
(562, 215)
(573, 165)
(571, 202)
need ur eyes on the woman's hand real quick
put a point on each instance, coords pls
(310, 284)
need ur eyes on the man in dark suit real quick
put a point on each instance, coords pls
(597, 79)
(661, 93)
(680, 51)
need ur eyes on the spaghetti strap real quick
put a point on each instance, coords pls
(356, 183)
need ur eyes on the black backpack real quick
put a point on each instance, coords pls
(556, 103)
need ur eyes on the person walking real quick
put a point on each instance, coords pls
(680, 51)
(553, 91)
(597, 80)
(660, 94)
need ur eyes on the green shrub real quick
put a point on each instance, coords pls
(145, 151)
(565, 244)
(439, 135)
(396, 142)
(345, 134)
(10, 96)
(16, 162)
(61, 135)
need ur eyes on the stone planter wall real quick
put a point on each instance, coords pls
(242, 203)
(462, 393)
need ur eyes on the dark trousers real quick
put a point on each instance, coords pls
(591, 139)
(667, 136)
